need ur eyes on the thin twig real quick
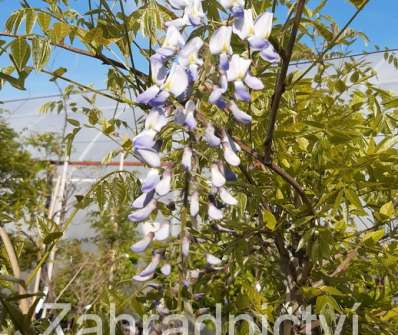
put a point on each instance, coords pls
(280, 83)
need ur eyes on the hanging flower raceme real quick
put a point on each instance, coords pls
(176, 69)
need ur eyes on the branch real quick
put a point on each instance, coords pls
(105, 60)
(331, 44)
(280, 83)
(16, 270)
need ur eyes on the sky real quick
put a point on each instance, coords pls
(378, 20)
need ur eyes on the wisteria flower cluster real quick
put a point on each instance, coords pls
(176, 68)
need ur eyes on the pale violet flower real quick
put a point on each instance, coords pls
(145, 139)
(229, 155)
(143, 213)
(143, 244)
(151, 267)
(150, 181)
(257, 33)
(238, 72)
(152, 231)
(238, 114)
(216, 96)
(186, 241)
(156, 120)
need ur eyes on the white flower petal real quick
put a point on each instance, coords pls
(187, 159)
(238, 68)
(227, 198)
(263, 25)
(238, 114)
(141, 278)
(166, 269)
(230, 156)
(163, 232)
(150, 157)
(214, 213)
(163, 187)
(217, 178)
(244, 26)
(185, 245)
(143, 200)
(194, 204)
(150, 227)
(213, 260)
(177, 81)
(220, 41)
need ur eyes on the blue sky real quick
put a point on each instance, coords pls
(379, 21)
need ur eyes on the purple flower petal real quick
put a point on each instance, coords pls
(151, 180)
(163, 187)
(141, 278)
(257, 43)
(146, 96)
(227, 198)
(241, 91)
(143, 200)
(244, 25)
(238, 114)
(145, 139)
(217, 178)
(224, 62)
(253, 82)
(143, 213)
(270, 55)
(158, 69)
(142, 245)
(159, 99)
(190, 121)
(151, 267)
(194, 204)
